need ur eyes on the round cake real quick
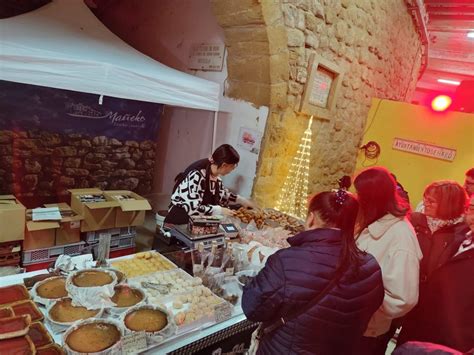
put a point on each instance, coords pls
(64, 312)
(146, 319)
(93, 337)
(92, 278)
(126, 296)
(52, 288)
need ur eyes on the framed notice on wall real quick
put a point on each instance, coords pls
(322, 86)
(206, 56)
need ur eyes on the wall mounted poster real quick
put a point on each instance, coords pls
(249, 139)
(52, 140)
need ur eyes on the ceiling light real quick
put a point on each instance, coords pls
(441, 103)
(470, 34)
(449, 82)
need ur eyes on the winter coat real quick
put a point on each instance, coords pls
(293, 277)
(392, 241)
(437, 247)
(445, 312)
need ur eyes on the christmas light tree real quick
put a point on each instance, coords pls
(294, 194)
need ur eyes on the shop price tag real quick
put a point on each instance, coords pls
(222, 312)
(133, 343)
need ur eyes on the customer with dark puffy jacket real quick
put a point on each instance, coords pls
(293, 277)
(445, 312)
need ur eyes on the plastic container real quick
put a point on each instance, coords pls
(50, 254)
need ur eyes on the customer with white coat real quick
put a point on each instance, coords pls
(386, 233)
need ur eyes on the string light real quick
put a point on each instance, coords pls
(294, 194)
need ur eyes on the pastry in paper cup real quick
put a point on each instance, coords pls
(49, 290)
(125, 297)
(155, 321)
(63, 313)
(92, 288)
(93, 336)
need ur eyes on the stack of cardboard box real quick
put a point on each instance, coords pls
(92, 211)
(12, 226)
(110, 212)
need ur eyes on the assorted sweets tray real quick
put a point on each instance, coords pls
(143, 263)
(159, 286)
(153, 285)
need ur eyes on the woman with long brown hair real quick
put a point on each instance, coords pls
(386, 233)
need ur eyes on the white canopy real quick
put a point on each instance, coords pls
(63, 45)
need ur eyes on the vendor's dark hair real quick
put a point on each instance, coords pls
(377, 193)
(225, 154)
(339, 209)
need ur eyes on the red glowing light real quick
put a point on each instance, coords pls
(441, 103)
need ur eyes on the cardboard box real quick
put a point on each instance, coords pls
(69, 230)
(97, 215)
(132, 207)
(12, 219)
(39, 234)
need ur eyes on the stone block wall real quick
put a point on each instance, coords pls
(374, 41)
(41, 163)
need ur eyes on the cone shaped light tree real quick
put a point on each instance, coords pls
(293, 198)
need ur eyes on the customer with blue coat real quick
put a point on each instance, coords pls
(318, 295)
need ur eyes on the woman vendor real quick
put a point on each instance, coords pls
(199, 189)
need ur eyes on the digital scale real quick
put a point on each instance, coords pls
(181, 232)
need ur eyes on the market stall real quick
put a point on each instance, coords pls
(145, 300)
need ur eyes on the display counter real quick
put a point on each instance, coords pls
(230, 335)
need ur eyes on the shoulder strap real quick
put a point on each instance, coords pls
(263, 330)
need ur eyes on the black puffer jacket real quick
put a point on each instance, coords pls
(293, 277)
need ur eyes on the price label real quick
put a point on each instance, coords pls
(133, 343)
(222, 312)
(229, 271)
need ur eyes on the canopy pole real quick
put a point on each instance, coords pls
(214, 132)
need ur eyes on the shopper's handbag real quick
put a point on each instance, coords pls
(265, 329)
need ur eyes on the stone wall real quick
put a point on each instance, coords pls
(40, 163)
(374, 41)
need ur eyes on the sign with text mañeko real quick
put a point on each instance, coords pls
(29, 107)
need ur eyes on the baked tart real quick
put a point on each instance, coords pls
(92, 336)
(52, 349)
(19, 345)
(39, 335)
(64, 312)
(27, 307)
(126, 296)
(146, 318)
(92, 278)
(13, 293)
(52, 288)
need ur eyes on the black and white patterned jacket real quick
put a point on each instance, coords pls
(190, 193)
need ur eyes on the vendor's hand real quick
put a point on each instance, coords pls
(250, 204)
(227, 212)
